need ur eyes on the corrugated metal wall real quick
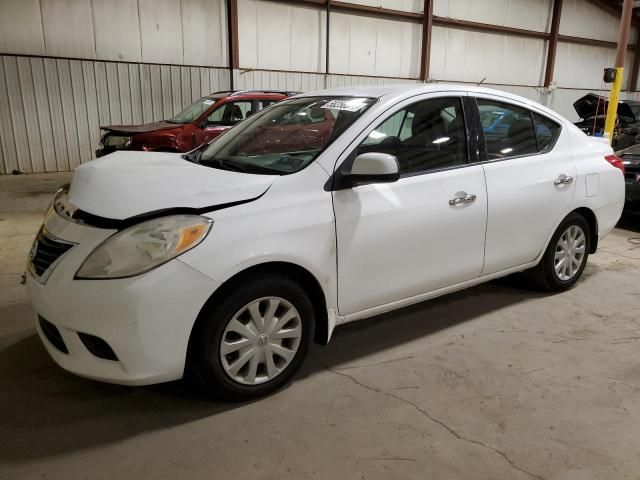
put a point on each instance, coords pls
(51, 109)
(133, 61)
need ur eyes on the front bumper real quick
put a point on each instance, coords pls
(146, 320)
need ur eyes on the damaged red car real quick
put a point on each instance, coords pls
(199, 123)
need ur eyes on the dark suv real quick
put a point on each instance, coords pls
(199, 123)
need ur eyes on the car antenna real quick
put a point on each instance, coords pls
(481, 82)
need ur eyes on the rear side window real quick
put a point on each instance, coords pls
(512, 131)
(547, 132)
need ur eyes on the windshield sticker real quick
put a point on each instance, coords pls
(209, 102)
(348, 105)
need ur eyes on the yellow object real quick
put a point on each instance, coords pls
(616, 86)
(189, 236)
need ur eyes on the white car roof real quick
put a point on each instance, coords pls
(400, 91)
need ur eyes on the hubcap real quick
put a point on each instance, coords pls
(261, 340)
(570, 252)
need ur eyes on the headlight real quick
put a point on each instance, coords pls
(145, 246)
(116, 141)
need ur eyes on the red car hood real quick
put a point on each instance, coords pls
(147, 127)
(125, 184)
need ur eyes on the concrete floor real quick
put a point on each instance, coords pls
(493, 383)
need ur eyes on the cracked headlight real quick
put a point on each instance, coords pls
(145, 246)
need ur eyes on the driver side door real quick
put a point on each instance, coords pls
(397, 241)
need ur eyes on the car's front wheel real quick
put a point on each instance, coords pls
(253, 341)
(566, 256)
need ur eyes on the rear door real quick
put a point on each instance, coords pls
(530, 177)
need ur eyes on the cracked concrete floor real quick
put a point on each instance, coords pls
(492, 383)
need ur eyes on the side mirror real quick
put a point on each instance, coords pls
(372, 167)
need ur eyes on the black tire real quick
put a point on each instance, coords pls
(204, 363)
(544, 276)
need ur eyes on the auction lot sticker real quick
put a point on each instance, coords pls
(348, 105)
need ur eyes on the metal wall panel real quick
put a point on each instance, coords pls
(51, 109)
(528, 14)
(31, 120)
(580, 66)
(91, 92)
(117, 30)
(462, 55)
(362, 45)
(204, 30)
(415, 6)
(68, 28)
(41, 98)
(21, 27)
(7, 142)
(584, 19)
(54, 96)
(281, 37)
(161, 31)
(305, 82)
(17, 116)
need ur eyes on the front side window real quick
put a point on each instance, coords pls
(193, 111)
(512, 131)
(285, 138)
(427, 135)
(229, 113)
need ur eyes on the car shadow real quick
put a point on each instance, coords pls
(45, 411)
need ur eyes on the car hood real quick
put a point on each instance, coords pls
(126, 184)
(147, 127)
(587, 106)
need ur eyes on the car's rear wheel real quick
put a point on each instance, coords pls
(566, 256)
(254, 340)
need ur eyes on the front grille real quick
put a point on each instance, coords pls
(45, 251)
(53, 334)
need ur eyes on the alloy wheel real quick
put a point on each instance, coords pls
(260, 340)
(570, 252)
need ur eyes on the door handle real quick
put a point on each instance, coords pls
(563, 180)
(462, 198)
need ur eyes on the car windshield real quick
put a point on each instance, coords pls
(193, 111)
(285, 137)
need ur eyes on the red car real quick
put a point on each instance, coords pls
(199, 123)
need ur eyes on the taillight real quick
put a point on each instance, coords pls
(616, 161)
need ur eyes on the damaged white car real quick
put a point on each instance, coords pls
(226, 263)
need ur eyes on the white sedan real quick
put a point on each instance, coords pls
(224, 264)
